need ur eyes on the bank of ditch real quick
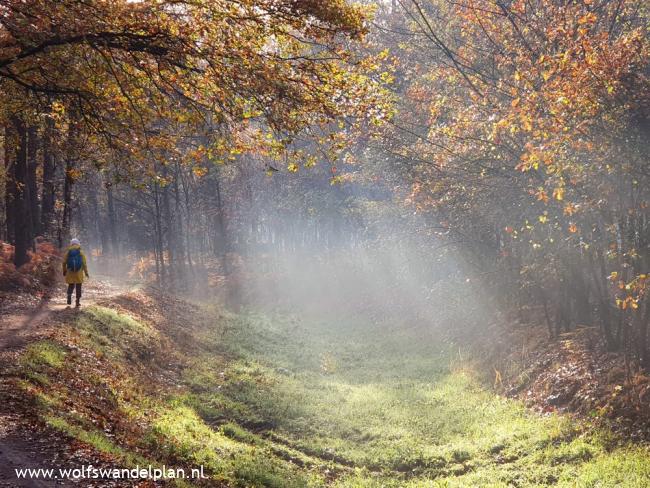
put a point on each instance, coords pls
(263, 399)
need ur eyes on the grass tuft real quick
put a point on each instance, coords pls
(43, 354)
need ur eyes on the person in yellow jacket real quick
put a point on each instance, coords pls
(74, 269)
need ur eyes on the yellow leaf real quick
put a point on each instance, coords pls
(386, 77)
(199, 171)
(570, 209)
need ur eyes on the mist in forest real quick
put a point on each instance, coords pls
(355, 264)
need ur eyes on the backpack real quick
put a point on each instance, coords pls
(74, 262)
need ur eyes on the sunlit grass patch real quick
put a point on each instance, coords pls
(626, 467)
(114, 321)
(230, 453)
(37, 378)
(94, 438)
(43, 353)
(102, 443)
(204, 373)
(387, 405)
(575, 451)
(189, 438)
(234, 431)
(118, 335)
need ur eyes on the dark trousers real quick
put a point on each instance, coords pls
(77, 288)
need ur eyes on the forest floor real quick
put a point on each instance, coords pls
(285, 399)
(25, 441)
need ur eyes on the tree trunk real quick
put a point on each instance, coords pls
(159, 237)
(183, 230)
(49, 168)
(111, 219)
(10, 182)
(603, 299)
(21, 196)
(98, 227)
(66, 221)
(32, 166)
(642, 331)
(222, 237)
(169, 231)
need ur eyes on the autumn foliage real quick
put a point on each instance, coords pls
(194, 133)
(36, 276)
(527, 135)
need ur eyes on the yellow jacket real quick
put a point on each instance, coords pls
(72, 277)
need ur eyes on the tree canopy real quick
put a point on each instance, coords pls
(514, 132)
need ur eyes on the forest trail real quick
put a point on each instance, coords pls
(22, 324)
(19, 322)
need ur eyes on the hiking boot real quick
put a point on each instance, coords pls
(69, 299)
(77, 304)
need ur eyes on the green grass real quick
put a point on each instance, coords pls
(94, 438)
(282, 401)
(386, 410)
(116, 335)
(229, 454)
(43, 354)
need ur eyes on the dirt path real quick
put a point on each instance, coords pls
(24, 443)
